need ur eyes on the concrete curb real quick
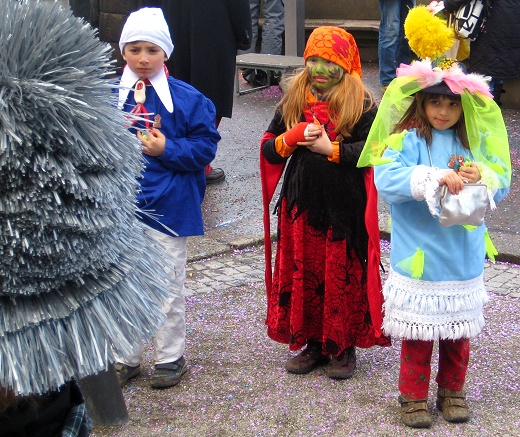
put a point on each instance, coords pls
(214, 244)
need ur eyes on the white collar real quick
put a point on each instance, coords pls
(158, 81)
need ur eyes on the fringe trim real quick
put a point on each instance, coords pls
(453, 330)
(426, 310)
(46, 354)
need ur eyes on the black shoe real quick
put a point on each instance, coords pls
(256, 78)
(276, 77)
(261, 78)
(168, 374)
(215, 175)
(249, 75)
(126, 373)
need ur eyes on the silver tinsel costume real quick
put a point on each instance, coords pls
(78, 277)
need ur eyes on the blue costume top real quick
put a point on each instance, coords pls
(446, 302)
(173, 185)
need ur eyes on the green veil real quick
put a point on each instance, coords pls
(484, 123)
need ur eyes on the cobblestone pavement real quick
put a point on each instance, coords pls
(245, 267)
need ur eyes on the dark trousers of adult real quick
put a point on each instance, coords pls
(414, 374)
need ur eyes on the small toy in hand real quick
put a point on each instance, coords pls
(462, 162)
(456, 162)
(144, 134)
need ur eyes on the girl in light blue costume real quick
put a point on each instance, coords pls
(430, 120)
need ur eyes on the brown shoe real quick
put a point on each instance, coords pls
(414, 412)
(126, 373)
(453, 405)
(343, 365)
(168, 374)
(308, 359)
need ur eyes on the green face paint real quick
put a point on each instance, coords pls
(322, 73)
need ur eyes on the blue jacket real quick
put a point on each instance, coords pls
(172, 186)
(452, 253)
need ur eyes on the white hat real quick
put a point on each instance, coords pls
(147, 24)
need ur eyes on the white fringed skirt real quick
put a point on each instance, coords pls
(427, 310)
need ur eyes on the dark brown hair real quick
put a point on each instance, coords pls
(415, 117)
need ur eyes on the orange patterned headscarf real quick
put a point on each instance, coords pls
(336, 45)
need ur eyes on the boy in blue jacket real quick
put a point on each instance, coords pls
(176, 127)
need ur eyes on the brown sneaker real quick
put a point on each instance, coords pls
(343, 365)
(126, 373)
(453, 405)
(414, 412)
(168, 374)
(308, 359)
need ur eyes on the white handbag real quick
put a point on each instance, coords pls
(466, 208)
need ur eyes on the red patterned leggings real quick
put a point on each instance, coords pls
(414, 374)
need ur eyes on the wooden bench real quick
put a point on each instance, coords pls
(261, 61)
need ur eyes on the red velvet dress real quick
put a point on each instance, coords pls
(326, 285)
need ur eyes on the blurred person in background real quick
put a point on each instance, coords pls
(496, 50)
(393, 49)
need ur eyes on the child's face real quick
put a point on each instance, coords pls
(144, 58)
(322, 73)
(442, 112)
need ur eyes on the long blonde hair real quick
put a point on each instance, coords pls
(348, 100)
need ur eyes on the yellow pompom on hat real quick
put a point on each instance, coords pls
(335, 45)
(428, 35)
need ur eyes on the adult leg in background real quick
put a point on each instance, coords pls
(393, 48)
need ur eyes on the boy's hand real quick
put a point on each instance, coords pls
(153, 142)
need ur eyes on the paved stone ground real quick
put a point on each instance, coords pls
(245, 267)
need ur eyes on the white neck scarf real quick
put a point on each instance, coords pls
(158, 81)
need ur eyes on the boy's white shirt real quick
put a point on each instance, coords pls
(159, 82)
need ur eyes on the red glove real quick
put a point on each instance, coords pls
(295, 135)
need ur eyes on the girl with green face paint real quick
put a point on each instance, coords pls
(325, 291)
(323, 74)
